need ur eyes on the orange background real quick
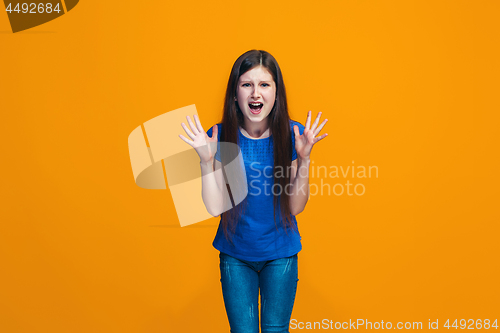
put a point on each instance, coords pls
(409, 86)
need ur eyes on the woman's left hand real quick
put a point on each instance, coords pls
(305, 142)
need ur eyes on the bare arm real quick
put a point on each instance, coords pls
(299, 180)
(299, 189)
(212, 181)
(212, 184)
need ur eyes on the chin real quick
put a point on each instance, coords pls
(255, 119)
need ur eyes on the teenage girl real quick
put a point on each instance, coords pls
(258, 239)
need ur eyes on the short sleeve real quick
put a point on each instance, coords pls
(209, 133)
(301, 130)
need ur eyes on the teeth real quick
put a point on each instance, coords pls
(255, 104)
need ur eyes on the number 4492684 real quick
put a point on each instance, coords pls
(33, 8)
(472, 324)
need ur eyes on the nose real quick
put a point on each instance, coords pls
(256, 92)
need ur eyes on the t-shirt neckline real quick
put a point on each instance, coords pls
(239, 131)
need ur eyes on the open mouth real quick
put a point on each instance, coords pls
(255, 108)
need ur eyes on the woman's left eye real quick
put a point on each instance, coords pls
(265, 84)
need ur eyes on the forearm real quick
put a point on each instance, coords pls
(211, 192)
(299, 192)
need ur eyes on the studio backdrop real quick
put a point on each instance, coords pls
(402, 223)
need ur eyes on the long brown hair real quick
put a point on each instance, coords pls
(279, 125)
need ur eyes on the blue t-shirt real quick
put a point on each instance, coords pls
(256, 237)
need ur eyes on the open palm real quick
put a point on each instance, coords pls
(305, 142)
(205, 146)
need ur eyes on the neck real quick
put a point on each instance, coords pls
(256, 130)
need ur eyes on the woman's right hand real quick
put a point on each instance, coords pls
(205, 146)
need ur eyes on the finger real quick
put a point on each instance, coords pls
(296, 130)
(319, 138)
(192, 126)
(308, 121)
(188, 132)
(186, 140)
(316, 121)
(316, 132)
(198, 124)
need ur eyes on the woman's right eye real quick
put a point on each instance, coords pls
(245, 84)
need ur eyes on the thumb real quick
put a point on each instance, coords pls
(215, 132)
(296, 130)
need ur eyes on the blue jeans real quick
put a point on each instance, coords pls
(241, 280)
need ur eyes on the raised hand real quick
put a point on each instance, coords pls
(205, 146)
(305, 142)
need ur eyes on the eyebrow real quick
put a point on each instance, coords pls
(251, 81)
